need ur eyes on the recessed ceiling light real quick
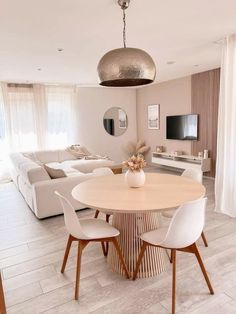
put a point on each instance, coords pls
(170, 62)
(60, 49)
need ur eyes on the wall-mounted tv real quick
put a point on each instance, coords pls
(183, 127)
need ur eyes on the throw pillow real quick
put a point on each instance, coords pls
(78, 151)
(55, 173)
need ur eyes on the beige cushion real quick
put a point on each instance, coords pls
(45, 156)
(65, 155)
(55, 173)
(87, 166)
(78, 151)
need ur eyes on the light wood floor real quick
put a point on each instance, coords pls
(31, 253)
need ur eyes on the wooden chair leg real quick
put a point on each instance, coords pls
(141, 254)
(204, 239)
(107, 218)
(81, 246)
(67, 251)
(173, 257)
(2, 300)
(169, 255)
(107, 248)
(117, 247)
(104, 249)
(96, 214)
(107, 243)
(198, 256)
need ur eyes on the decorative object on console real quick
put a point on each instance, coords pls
(200, 154)
(205, 154)
(135, 149)
(154, 117)
(135, 176)
(159, 149)
(126, 66)
(178, 153)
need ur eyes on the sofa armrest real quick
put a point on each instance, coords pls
(45, 201)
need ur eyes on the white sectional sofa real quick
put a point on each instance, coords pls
(36, 186)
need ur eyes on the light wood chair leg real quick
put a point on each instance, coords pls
(2, 300)
(173, 257)
(198, 256)
(107, 248)
(117, 247)
(104, 249)
(107, 218)
(96, 214)
(81, 246)
(204, 239)
(141, 254)
(107, 243)
(169, 255)
(67, 251)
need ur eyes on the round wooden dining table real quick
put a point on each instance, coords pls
(137, 210)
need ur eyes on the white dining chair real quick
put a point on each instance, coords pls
(84, 231)
(184, 230)
(195, 175)
(103, 171)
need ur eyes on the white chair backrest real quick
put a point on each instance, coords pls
(186, 225)
(103, 171)
(193, 174)
(72, 223)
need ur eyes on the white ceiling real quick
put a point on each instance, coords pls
(183, 31)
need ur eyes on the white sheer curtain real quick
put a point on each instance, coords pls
(225, 185)
(21, 118)
(61, 126)
(34, 117)
(4, 173)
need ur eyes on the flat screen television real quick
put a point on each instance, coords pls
(183, 127)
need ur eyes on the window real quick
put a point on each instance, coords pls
(61, 115)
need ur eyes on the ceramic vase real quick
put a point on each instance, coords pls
(135, 179)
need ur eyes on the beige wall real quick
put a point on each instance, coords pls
(174, 98)
(92, 104)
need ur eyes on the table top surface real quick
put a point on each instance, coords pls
(160, 191)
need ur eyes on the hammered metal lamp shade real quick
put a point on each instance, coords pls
(126, 67)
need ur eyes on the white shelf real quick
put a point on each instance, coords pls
(181, 161)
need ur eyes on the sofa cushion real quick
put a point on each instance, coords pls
(87, 166)
(78, 151)
(55, 173)
(65, 155)
(45, 156)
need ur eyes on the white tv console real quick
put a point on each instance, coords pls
(182, 161)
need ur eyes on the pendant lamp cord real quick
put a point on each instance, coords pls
(124, 29)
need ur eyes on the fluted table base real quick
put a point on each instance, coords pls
(131, 226)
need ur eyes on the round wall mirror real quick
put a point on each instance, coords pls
(115, 121)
